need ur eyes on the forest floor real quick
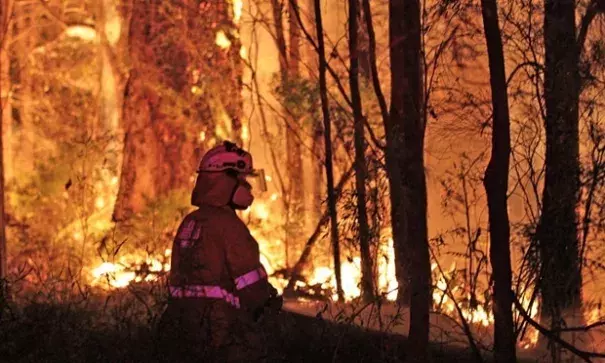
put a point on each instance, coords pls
(54, 332)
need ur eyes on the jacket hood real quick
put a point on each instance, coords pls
(213, 188)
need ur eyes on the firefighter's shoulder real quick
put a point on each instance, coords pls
(222, 216)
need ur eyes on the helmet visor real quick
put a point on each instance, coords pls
(256, 178)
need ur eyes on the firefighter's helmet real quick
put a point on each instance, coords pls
(227, 156)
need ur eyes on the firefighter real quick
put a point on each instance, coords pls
(218, 288)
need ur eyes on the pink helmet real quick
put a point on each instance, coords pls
(227, 156)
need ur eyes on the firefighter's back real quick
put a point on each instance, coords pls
(202, 320)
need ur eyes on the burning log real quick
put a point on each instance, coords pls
(304, 257)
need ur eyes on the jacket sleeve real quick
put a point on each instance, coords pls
(243, 261)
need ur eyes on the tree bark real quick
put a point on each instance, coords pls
(181, 83)
(363, 45)
(296, 215)
(5, 15)
(323, 89)
(408, 128)
(280, 37)
(560, 280)
(367, 276)
(317, 177)
(496, 187)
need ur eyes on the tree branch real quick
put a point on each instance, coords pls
(325, 218)
(374, 69)
(316, 48)
(591, 12)
(552, 335)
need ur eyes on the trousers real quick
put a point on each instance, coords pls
(205, 330)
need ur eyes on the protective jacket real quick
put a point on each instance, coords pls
(216, 282)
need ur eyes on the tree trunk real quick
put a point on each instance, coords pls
(141, 155)
(21, 79)
(181, 83)
(277, 7)
(323, 89)
(496, 187)
(296, 215)
(408, 128)
(560, 277)
(280, 38)
(367, 278)
(112, 49)
(5, 86)
(363, 46)
(317, 135)
(318, 169)
(5, 15)
(393, 134)
(394, 138)
(232, 99)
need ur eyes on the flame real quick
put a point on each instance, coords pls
(245, 133)
(202, 136)
(221, 40)
(261, 210)
(99, 203)
(117, 275)
(196, 90)
(237, 6)
(82, 32)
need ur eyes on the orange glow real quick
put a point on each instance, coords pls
(221, 40)
(237, 7)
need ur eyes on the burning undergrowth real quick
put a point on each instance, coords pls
(119, 281)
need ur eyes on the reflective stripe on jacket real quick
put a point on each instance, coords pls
(214, 248)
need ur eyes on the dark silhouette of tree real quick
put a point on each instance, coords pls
(5, 14)
(496, 187)
(367, 278)
(405, 134)
(325, 108)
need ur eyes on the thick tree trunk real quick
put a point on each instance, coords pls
(296, 215)
(5, 15)
(496, 187)
(112, 49)
(3, 250)
(408, 128)
(323, 89)
(367, 278)
(232, 98)
(181, 83)
(394, 138)
(560, 281)
(141, 155)
(277, 7)
(5, 84)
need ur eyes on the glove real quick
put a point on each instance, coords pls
(273, 303)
